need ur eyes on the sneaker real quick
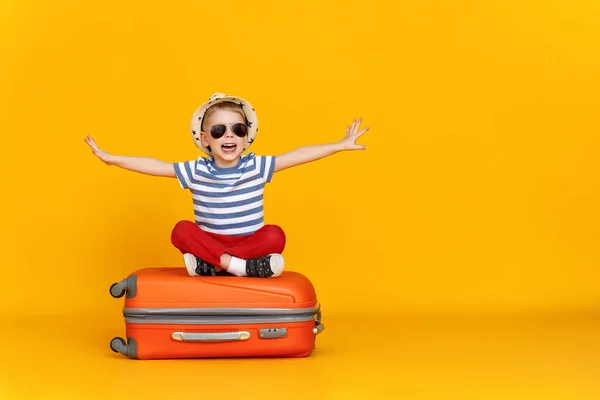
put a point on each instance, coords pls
(268, 266)
(198, 267)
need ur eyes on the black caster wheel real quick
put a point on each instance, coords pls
(116, 291)
(117, 343)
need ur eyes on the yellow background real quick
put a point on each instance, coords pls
(478, 191)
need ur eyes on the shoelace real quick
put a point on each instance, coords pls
(260, 267)
(204, 269)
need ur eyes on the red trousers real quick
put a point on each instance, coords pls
(189, 238)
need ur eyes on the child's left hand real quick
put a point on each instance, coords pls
(352, 133)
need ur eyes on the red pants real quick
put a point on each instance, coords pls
(189, 238)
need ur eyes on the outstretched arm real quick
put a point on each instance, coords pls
(312, 153)
(144, 165)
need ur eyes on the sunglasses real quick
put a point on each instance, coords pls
(217, 131)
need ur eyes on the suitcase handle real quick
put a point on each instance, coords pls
(319, 327)
(210, 337)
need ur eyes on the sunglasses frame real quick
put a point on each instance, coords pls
(230, 126)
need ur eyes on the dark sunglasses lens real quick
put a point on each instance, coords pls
(216, 131)
(239, 129)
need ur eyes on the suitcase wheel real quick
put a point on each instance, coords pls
(118, 345)
(128, 349)
(117, 290)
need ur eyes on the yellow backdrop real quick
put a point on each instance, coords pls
(478, 189)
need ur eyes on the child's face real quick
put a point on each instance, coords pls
(229, 146)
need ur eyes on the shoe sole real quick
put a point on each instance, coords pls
(276, 263)
(190, 264)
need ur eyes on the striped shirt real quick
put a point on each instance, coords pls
(227, 201)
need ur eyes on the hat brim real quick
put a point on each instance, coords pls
(198, 117)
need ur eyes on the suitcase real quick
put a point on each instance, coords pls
(169, 314)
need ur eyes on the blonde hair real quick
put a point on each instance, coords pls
(226, 105)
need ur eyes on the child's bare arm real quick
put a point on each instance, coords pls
(312, 153)
(144, 165)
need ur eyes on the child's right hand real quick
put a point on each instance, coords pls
(102, 155)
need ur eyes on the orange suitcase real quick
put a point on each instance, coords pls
(169, 314)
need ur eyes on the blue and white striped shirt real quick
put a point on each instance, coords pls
(227, 201)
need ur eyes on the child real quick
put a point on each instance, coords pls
(227, 188)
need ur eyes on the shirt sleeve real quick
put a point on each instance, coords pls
(267, 167)
(185, 172)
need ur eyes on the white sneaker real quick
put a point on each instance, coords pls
(190, 263)
(198, 267)
(269, 266)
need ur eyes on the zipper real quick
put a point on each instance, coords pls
(247, 311)
(217, 319)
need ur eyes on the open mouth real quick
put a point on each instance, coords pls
(228, 147)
